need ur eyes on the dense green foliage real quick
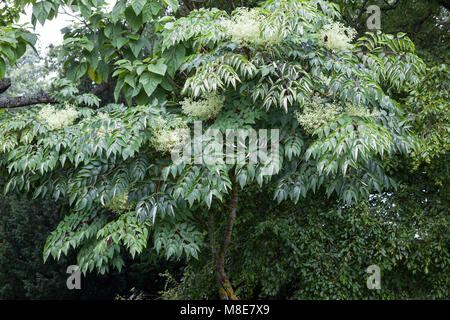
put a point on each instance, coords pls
(363, 148)
(24, 228)
(313, 252)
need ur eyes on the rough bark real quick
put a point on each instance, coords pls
(4, 84)
(26, 100)
(102, 87)
(38, 98)
(226, 291)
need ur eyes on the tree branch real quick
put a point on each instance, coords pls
(39, 98)
(420, 23)
(4, 84)
(189, 5)
(78, 18)
(363, 8)
(26, 100)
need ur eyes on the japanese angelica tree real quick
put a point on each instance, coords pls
(286, 65)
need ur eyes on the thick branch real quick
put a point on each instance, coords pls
(420, 23)
(189, 5)
(26, 100)
(39, 98)
(363, 8)
(101, 88)
(4, 84)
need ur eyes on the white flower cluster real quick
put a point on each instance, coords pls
(102, 115)
(166, 139)
(206, 108)
(246, 26)
(119, 203)
(317, 113)
(336, 36)
(58, 119)
(359, 111)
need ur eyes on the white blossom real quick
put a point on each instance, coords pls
(247, 26)
(57, 119)
(317, 113)
(336, 37)
(205, 108)
(166, 139)
(119, 203)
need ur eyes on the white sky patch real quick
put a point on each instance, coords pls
(50, 32)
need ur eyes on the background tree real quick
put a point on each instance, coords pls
(425, 22)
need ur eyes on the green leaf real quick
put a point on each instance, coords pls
(41, 10)
(158, 68)
(149, 82)
(155, 7)
(118, 10)
(174, 58)
(137, 46)
(9, 53)
(76, 71)
(138, 5)
(85, 10)
(2, 68)
(120, 42)
(94, 76)
(117, 89)
(171, 3)
(133, 20)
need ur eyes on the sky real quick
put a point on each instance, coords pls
(50, 33)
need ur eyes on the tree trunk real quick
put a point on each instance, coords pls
(226, 291)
